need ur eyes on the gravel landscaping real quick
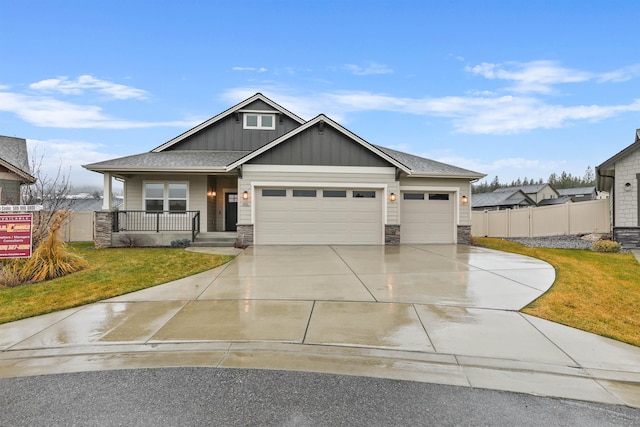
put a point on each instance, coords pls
(559, 242)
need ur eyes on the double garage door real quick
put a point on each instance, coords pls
(318, 216)
(427, 217)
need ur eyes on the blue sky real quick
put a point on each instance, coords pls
(510, 89)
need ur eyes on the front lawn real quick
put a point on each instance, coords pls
(596, 292)
(112, 272)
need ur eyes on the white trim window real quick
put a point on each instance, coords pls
(259, 121)
(166, 196)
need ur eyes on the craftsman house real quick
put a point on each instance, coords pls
(273, 178)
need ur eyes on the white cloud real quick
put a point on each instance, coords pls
(621, 75)
(259, 70)
(370, 69)
(67, 157)
(479, 114)
(541, 76)
(86, 82)
(50, 112)
(534, 76)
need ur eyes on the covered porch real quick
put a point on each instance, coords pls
(161, 209)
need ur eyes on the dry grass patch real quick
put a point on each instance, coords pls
(595, 292)
(111, 272)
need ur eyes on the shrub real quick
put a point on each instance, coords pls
(181, 243)
(606, 246)
(51, 258)
(10, 273)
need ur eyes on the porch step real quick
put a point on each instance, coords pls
(215, 240)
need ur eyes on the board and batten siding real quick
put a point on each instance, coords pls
(328, 147)
(284, 176)
(460, 187)
(228, 134)
(197, 185)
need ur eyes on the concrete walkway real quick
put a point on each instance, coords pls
(442, 314)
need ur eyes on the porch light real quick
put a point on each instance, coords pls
(464, 200)
(211, 193)
(245, 195)
(392, 197)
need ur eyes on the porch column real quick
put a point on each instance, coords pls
(106, 192)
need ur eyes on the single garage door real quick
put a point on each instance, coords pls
(318, 216)
(427, 217)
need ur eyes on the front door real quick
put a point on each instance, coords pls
(230, 211)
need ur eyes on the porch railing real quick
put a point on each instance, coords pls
(157, 221)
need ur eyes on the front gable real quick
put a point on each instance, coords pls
(228, 131)
(320, 145)
(323, 142)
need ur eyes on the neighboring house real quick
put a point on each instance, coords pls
(537, 192)
(620, 176)
(556, 201)
(499, 200)
(580, 194)
(272, 177)
(14, 170)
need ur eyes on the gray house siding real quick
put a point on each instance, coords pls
(228, 134)
(326, 148)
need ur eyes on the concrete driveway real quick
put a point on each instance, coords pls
(443, 314)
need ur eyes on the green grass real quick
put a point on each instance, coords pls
(112, 272)
(593, 291)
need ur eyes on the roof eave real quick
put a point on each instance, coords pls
(26, 177)
(120, 169)
(446, 175)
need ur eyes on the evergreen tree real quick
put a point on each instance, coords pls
(589, 177)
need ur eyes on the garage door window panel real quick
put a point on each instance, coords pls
(438, 196)
(364, 194)
(413, 196)
(304, 193)
(279, 192)
(335, 193)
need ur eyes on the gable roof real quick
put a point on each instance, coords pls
(500, 198)
(606, 168)
(14, 156)
(408, 163)
(321, 118)
(527, 189)
(235, 108)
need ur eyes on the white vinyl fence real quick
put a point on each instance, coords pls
(79, 227)
(568, 218)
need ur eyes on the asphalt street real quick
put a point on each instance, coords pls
(226, 397)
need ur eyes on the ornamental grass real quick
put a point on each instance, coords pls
(51, 259)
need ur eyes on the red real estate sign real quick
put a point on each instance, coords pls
(15, 235)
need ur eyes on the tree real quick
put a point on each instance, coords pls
(49, 191)
(589, 177)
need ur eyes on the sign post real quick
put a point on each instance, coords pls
(15, 235)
